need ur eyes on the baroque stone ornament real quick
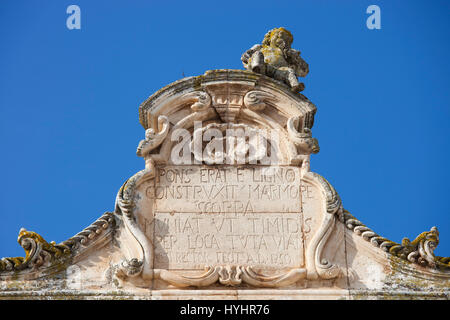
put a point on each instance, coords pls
(275, 58)
(37, 252)
(256, 100)
(233, 276)
(43, 256)
(152, 139)
(227, 207)
(419, 251)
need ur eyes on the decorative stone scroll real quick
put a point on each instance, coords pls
(153, 139)
(419, 251)
(42, 257)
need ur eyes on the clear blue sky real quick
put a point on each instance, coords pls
(69, 102)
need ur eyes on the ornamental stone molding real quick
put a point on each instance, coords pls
(227, 207)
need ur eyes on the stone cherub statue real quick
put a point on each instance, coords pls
(276, 59)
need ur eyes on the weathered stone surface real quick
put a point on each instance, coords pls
(193, 240)
(227, 208)
(226, 189)
(275, 58)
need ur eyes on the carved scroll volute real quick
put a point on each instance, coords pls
(153, 139)
(304, 141)
(200, 100)
(256, 100)
(138, 253)
(319, 267)
(141, 264)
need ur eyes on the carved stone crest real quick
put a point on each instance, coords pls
(208, 200)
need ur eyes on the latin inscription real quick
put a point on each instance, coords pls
(193, 240)
(226, 215)
(226, 189)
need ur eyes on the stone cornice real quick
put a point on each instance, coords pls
(212, 77)
(419, 251)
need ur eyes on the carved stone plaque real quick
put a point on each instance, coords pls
(193, 240)
(227, 215)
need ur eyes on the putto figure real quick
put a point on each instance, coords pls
(276, 59)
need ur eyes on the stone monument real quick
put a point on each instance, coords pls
(227, 207)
